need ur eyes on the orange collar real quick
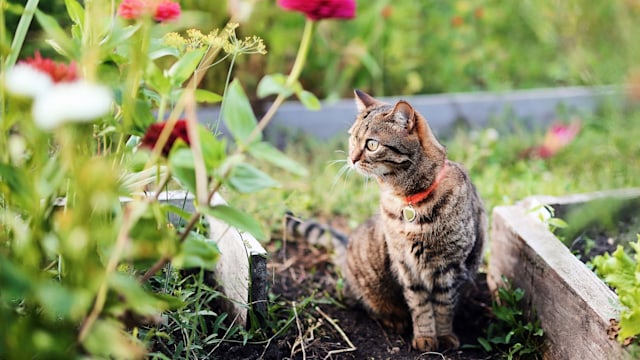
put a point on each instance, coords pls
(416, 198)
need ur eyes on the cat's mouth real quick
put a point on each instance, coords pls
(367, 170)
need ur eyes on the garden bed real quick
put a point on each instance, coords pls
(304, 277)
(574, 306)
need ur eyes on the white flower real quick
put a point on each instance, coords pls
(78, 101)
(26, 80)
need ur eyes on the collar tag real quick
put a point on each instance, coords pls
(409, 213)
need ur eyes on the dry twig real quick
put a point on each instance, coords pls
(340, 331)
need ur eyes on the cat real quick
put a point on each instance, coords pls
(407, 264)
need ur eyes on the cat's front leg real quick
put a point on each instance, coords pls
(422, 317)
(444, 296)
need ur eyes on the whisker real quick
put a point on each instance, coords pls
(345, 169)
(333, 162)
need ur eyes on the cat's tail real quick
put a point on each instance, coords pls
(315, 233)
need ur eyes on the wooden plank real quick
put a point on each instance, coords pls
(241, 271)
(573, 305)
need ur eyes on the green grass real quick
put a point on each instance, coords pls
(604, 155)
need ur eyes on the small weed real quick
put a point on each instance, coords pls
(511, 334)
(621, 270)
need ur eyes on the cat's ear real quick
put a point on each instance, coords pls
(364, 100)
(404, 114)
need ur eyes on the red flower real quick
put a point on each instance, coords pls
(387, 12)
(59, 72)
(322, 9)
(152, 135)
(161, 10)
(167, 10)
(457, 21)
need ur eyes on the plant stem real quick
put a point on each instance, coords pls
(224, 93)
(298, 65)
(21, 32)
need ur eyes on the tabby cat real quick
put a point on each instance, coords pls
(407, 264)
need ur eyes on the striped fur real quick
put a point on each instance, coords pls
(409, 273)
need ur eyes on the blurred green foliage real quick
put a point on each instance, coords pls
(406, 47)
(410, 47)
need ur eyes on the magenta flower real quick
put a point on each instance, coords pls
(167, 10)
(322, 9)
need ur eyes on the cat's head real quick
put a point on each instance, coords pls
(391, 141)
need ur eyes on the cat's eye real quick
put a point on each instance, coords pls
(372, 145)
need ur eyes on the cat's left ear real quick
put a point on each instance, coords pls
(404, 114)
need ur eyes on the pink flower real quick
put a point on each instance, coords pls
(557, 137)
(161, 10)
(152, 135)
(322, 9)
(167, 10)
(59, 72)
(133, 9)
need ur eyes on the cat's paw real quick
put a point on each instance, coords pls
(425, 343)
(448, 342)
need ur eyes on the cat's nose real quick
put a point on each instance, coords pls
(354, 160)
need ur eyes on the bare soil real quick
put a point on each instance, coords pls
(326, 328)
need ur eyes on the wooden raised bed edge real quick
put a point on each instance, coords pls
(241, 270)
(574, 306)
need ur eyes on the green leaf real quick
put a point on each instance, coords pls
(157, 80)
(208, 97)
(266, 151)
(622, 272)
(197, 252)
(213, 149)
(134, 296)
(165, 51)
(485, 344)
(59, 38)
(143, 117)
(309, 100)
(236, 218)
(558, 223)
(75, 11)
(182, 69)
(274, 84)
(247, 179)
(15, 283)
(58, 301)
(182, 168)
(237, 113)
(119, 35)
(107, 339)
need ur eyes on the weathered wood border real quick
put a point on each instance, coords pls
(572, 303)
(241, 271)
